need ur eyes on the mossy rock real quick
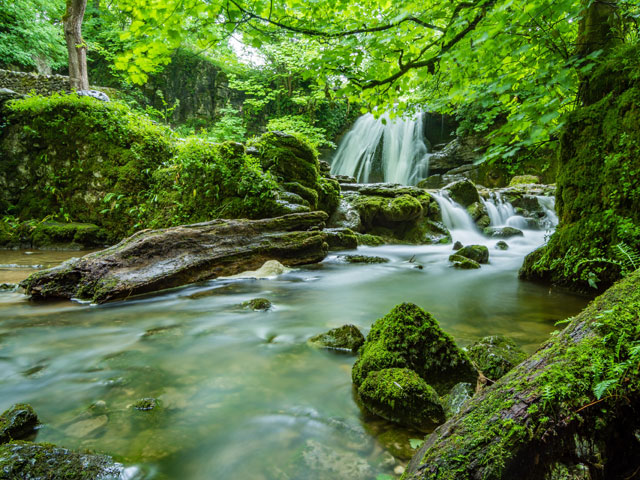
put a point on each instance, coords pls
(257, 304)
(524, 180)
(477, 253)
(463, 263)
(463, 192)
(17, 422)
(502, 245)
(479, 214)
(455, 399)
(369, 240)
(25, 460)
(400, 395)
(402, 209)
(341, 238)
(495, 355)
(363, 259)
(409, 337)
(345, 338)
(146, 404)
(502, 232)
(56, 234)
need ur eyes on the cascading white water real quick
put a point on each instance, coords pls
(457, 220)
(499, 211)
(548, 205)
(383, 150)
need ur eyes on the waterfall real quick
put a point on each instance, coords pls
(457, 220)
(499, 211)
(383, 150)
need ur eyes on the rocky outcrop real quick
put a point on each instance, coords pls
(152, 260)
(394, 212)
(560, 410)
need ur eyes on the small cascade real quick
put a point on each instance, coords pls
(457, 220)
(499, 211)
(548, 205)
(384, 150)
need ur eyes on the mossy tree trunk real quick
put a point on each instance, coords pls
(570, 411)
(76, 46)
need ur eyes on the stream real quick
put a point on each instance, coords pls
(242, 395)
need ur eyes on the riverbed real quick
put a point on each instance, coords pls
(241, 393)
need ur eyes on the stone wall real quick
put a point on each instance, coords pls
(25, 83)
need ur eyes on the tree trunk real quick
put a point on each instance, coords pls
(543, 420)
(77, 48)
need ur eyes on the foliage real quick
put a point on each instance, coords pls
(31, 33)
(298, 125)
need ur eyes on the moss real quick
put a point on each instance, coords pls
(341, 238)
(523, 180)
(346, 337)
(258, 304)
(463, 263)
(328, 194)
(31, 460)
(502, 245)
(369, 240)
(598, 183)
(502, 232)
(401, 396)
(409, 337)
(17, 422)
(401, 209)
(495, 355)
(477, 253)
(307, 194)
(146, 404)
(463, 192)
(363, 259)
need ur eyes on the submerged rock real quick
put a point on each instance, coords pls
(152, 260)
(346, 338)
(495, 355)
(146, 404)
(502, 232)
(258, 304)
(363, 259)
(409, 337)
(463, 263)
(477, 253)
(24, 460)
(17, 423)
(270, 269)
(322, 462)
(400, 395)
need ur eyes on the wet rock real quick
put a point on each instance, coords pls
(495, 355)
(502, 232)
(453, 401)
(409, 337)
(17, 423)
(502, 245)
(146, 404)
(463, 263)
(285, 208)
(345, 338)
(258, 304)
(270, 269)
(345, 179)
(84, 428)
(97, 94)
(458, 152)
(463, 192)
(152, 260)
(363, 259)
(479, 214)
(458, 245)
(370, 240)
(345, 216)
(400, 395)
(477, 253)
(524, 179)
(24, 460)
(341, 239)
(398, 442)
(8, 287)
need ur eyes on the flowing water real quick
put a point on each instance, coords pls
(242, 395)
(384, 150)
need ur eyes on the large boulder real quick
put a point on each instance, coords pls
(400, 395)
(477, 253)
(502, 232)
(153, 260)
(463, 192)
(409, 337)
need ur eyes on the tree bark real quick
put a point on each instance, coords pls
(543, 421)
(76, 46)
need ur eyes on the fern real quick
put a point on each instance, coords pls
(628, 258)
(601, 388)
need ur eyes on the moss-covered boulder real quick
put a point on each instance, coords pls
(479, 214)
(400, 395)
(502, 232)
(341, 239)
(17, 423)
(523, 180)
(495, 355)
(598, 184)
(52, 235)
(477, 253)
(463, 192)
(257, 304)
(345, 338)
(25, 460)
(502, 245)
(363, 259)
(409, 337)
(397, 213)
(455, 399)
(463, 263)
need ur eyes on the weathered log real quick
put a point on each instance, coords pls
(569, 411)
(152, 260)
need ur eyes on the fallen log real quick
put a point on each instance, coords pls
(152, 260)
(570, 411)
